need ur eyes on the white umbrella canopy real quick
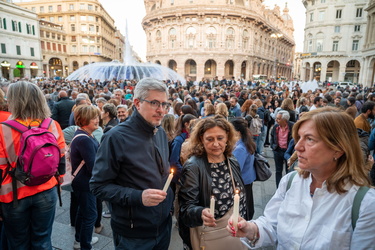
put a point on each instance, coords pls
(103, 71)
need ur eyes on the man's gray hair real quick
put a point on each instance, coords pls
(148, 84)
(79, 100)
(122, 106)
(118, 90)
(284, 115)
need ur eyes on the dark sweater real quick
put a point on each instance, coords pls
(83, 148)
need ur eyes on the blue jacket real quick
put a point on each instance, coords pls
(174, 158)
(132, 157)
(235, 111)
(246, 161)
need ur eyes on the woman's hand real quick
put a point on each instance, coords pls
(245, 228)
(208, 218)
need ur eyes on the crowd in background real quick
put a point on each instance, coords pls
(262, 114)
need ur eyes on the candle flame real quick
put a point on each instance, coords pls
(172, 170)
(237, 191)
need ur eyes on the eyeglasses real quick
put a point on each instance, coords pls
(156, 104)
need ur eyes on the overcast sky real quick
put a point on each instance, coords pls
(134, 11)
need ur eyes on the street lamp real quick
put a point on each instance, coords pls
(276, 36)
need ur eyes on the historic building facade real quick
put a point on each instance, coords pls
(367, 76)
(53, 41)
(224, 38)
(20, 55)
(89, 33)
(334, 38)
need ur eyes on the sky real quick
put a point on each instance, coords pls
(133, 11)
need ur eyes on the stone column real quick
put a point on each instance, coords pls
(323, 72)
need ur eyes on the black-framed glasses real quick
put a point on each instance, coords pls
(156, 104)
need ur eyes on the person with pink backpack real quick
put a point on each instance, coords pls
(31, 165)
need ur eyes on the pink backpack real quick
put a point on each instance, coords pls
(38, 155)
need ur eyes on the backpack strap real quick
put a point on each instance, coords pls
(82, 162)
(15, 125)
(76, 137)
(291, 177)
(45, 123)
(357, 204)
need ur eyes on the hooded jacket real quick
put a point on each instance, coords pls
(132, 157)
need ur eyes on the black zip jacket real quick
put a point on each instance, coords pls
(195, 192)
(130, 159)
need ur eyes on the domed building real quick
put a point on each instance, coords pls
(224, 38)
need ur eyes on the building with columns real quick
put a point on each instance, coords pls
(89, 31)
(224, 38)
(334, 40)
(367, 76)
(20, 52)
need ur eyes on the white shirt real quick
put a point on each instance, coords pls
(295, 220)
(313, 107)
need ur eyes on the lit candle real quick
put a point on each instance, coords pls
(236, 210)
(212, 206)
(168, 181)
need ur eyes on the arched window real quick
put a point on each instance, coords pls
(319, 42)
(230, 38)
(158, 39)
(190, 35)
(245, 39)
(211, 37)
(172, 38)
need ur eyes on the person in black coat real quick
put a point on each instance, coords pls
(61, 110)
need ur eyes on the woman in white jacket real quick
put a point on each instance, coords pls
(315, 209)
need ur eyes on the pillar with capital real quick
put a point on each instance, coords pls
(323, 72)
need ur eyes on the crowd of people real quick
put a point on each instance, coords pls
(126, 138)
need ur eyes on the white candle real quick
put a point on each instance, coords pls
(168, 181)
(212, 206)
(236, 209)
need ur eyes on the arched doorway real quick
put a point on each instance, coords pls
(19, 71)
(332, 74)
(210, 69)
(317, 67)
(5, 66)
(229, 69)
(55, 67)
(352, 71)
(33, 69)
(75, 65)
(191, 69)
(172, 65)
(158, 62)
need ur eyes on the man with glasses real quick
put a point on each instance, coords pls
(131, 169)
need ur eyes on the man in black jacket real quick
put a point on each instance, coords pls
(131, 169)
(281, 135)
(61, 110)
